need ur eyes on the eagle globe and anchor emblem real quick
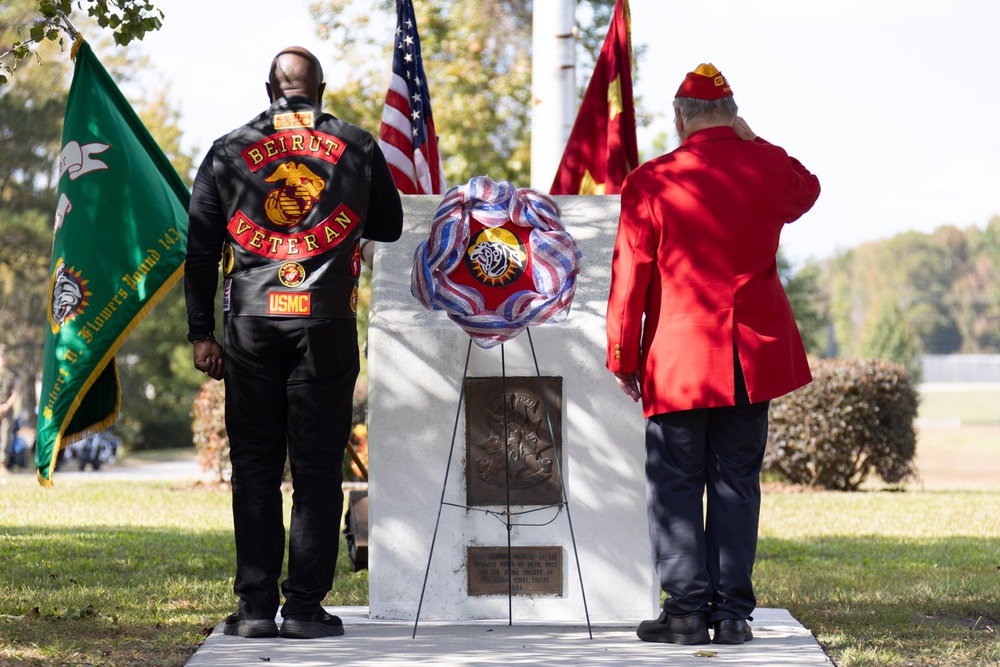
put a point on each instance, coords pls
(287, 205)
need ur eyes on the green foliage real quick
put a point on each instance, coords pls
(854, 419)
(24, 265)
(158, 379)
(477, 58)
(121, 574)
(808, 302)
(944, 285)
(209, 428)
(31, 115)
(128, 19)
(891, 338)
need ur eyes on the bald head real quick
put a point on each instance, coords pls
(296, 71)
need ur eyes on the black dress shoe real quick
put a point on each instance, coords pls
(683, 629)
(312, 626)
(239, 625)
(732, 631)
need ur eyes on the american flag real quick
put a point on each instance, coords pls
(407, 136)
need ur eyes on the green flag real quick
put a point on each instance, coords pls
(119, 246)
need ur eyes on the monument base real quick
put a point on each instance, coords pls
(418, 461)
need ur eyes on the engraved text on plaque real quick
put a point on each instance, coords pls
(534, 570)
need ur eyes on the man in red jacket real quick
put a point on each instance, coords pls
(699, 328)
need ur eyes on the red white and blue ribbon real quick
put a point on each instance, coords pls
(555, 261)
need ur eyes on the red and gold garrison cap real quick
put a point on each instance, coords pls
(705, 83)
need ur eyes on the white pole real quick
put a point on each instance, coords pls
(553, 86)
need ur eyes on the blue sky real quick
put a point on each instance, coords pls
(892, 103)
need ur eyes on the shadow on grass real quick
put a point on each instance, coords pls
(120, 596)
(889, 598)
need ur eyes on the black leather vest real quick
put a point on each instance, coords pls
(294, 184)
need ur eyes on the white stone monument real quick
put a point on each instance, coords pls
(416, 360)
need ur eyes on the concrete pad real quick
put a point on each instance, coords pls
(779, 641)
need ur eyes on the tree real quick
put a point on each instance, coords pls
(31, 115)
(155, 361)
(809, 304)
(891, 338)
(128, 19)
(477, 59)
(975, 298)
(945, 287)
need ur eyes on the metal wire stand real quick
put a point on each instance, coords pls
(507, 515)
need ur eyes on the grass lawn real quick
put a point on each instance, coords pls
(119, 573)
(884, 578)
(116, 573)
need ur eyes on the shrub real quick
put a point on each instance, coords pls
(855, 418)
(359, 440)
(209, 427)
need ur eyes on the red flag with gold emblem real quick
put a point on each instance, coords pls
(602, 147)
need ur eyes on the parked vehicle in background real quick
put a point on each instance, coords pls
(97, 450)
(18, 449)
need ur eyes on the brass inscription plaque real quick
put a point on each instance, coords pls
(534, 570)
(527, 465)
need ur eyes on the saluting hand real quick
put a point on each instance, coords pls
(743, 130)
(208, 358)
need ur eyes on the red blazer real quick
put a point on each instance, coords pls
(695, 255)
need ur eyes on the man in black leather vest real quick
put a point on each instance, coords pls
(284, 202)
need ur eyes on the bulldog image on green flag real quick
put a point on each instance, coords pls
(120, 234)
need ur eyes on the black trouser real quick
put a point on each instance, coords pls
(704, 561)
(288, 381)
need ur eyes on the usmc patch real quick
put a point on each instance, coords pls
(289, 303)
(354, 300)
(291, 274)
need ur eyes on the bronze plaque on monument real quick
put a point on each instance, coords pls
(534, 570)
(508, 443)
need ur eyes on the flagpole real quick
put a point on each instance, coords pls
(69, 27)
(553, 85)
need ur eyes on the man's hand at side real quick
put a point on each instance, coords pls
(629, 383)
(208, 358)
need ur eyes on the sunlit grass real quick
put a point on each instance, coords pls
(119, 573)
(127, 573)
(887, 579)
